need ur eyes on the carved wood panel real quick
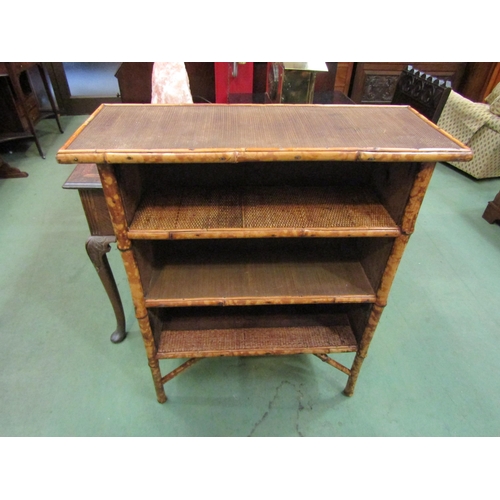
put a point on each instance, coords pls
(379, 88)
(374, 83)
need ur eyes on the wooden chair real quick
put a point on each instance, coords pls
(425, 93)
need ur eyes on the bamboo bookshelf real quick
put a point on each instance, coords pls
(260, 229)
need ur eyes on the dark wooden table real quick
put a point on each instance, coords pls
(85, 178)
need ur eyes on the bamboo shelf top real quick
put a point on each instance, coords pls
(209, 133)
(244, 334)
(261, 212)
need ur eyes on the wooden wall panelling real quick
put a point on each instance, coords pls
(479, 80)
(494, 79)
(343, 77)
(134, 81)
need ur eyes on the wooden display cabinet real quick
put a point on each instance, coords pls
(260, 229)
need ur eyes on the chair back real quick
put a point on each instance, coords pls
(425, 93)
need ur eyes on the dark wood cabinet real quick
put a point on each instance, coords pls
(19, 106)
(375, 82)
(14, 118)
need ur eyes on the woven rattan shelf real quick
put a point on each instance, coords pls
(261, 212)
(237, 332)
(251, 230)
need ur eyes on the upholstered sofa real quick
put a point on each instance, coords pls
(477, 125)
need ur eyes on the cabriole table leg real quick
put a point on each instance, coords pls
(97, 247)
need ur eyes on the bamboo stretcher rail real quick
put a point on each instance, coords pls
(178, 370)
(326, 359)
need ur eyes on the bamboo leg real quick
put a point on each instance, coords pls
(408, 225)
(353, 378)
(117, 215)
(154, 364)
(363, 348)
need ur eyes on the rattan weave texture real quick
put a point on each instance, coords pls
(268, 207)
(327, 333)
(138, 128)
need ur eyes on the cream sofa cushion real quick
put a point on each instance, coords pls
(476, 126)
(495, 106)
(462, 118)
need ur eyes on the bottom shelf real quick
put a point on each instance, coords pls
(257, 331)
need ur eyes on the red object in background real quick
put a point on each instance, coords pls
(232, 78)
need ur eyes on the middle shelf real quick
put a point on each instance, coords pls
(259, 272)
